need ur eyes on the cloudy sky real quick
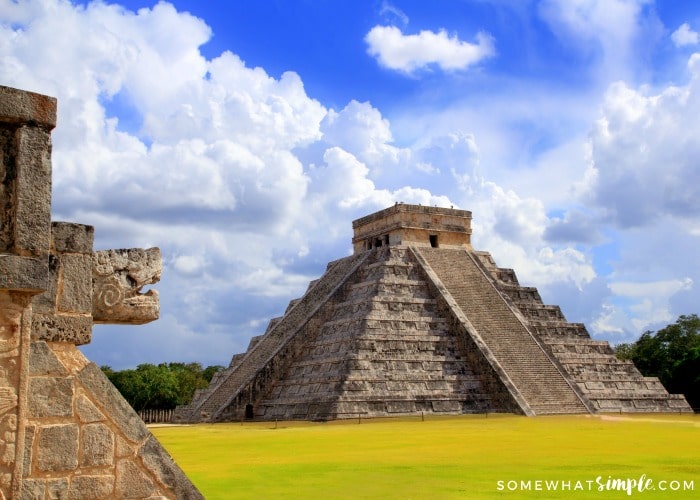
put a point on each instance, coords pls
(244, 137)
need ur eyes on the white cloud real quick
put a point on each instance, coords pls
(361, 130)
(391, 12)
(408, 53)
(613, 32)
(684, 35)
(645, 153)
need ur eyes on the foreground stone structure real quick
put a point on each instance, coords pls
(65, 431)
(416, 320)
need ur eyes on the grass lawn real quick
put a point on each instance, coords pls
(441, 457)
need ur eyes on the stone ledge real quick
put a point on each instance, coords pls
(19, 106)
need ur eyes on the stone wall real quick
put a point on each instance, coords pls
(65, 431)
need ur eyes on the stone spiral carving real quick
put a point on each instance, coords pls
(118, 277)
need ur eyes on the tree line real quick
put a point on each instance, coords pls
(672, 354)
(160, 387)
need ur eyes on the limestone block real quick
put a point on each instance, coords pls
(76, 284)
(128, 421)
(57, 489)
(91, 487)
(50, 397)
(29, 432)
(23, 273)
(33, 489)
(131, 482)
(19, 106)
(96, 446)
(74, 329)
(57, 448)
(32, 225)
(68, 237)
(42, 361)
(87, 411)
(157, 460)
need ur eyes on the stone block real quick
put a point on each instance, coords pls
(68, 237)
(91, 487)
(128, 421)
(50, 397)
(42, 361)
(157, 460)
(32, 204)
(23, 273)
(96, 446)
(87, 411)
(131, 482)
(33, 489)
(29, 432)
(74, 329)
(57, 489)
(76, 284)
(19, 106)
(57, 448)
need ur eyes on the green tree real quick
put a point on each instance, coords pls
(162, 386)
(672, 354)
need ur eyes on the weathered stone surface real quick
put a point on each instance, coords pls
(68, 237)
(87, 411)
(96, 446)
(23, 273)
(42, 361)
(63, 426)
(50, 397)
(91, 487)
(118, 276)
(57, 448)
(76, 289)
(56, 489)
(131, 482)
(19, 106)
(33, 489)
(32, 224)
(160, 463)
(74, 329)
(128, 421)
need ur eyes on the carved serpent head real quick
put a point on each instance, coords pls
(118, 277)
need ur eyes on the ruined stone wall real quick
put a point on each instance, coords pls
(65, 431)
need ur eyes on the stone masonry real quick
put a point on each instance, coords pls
(65, 431)
(417, 321)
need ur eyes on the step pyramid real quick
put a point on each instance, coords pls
(418, 321)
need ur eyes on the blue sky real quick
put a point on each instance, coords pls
(244, 137)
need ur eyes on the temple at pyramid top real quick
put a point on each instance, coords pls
(416, 225)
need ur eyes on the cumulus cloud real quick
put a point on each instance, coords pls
(684, 35)
(645, 153)
(361, 130)
(408, 53)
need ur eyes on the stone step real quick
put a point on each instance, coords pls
(526, 363)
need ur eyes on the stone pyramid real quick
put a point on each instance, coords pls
(417, 321)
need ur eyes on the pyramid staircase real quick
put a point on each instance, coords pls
(609, 383)
(535, 376)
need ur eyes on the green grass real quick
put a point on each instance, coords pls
(441, 457)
